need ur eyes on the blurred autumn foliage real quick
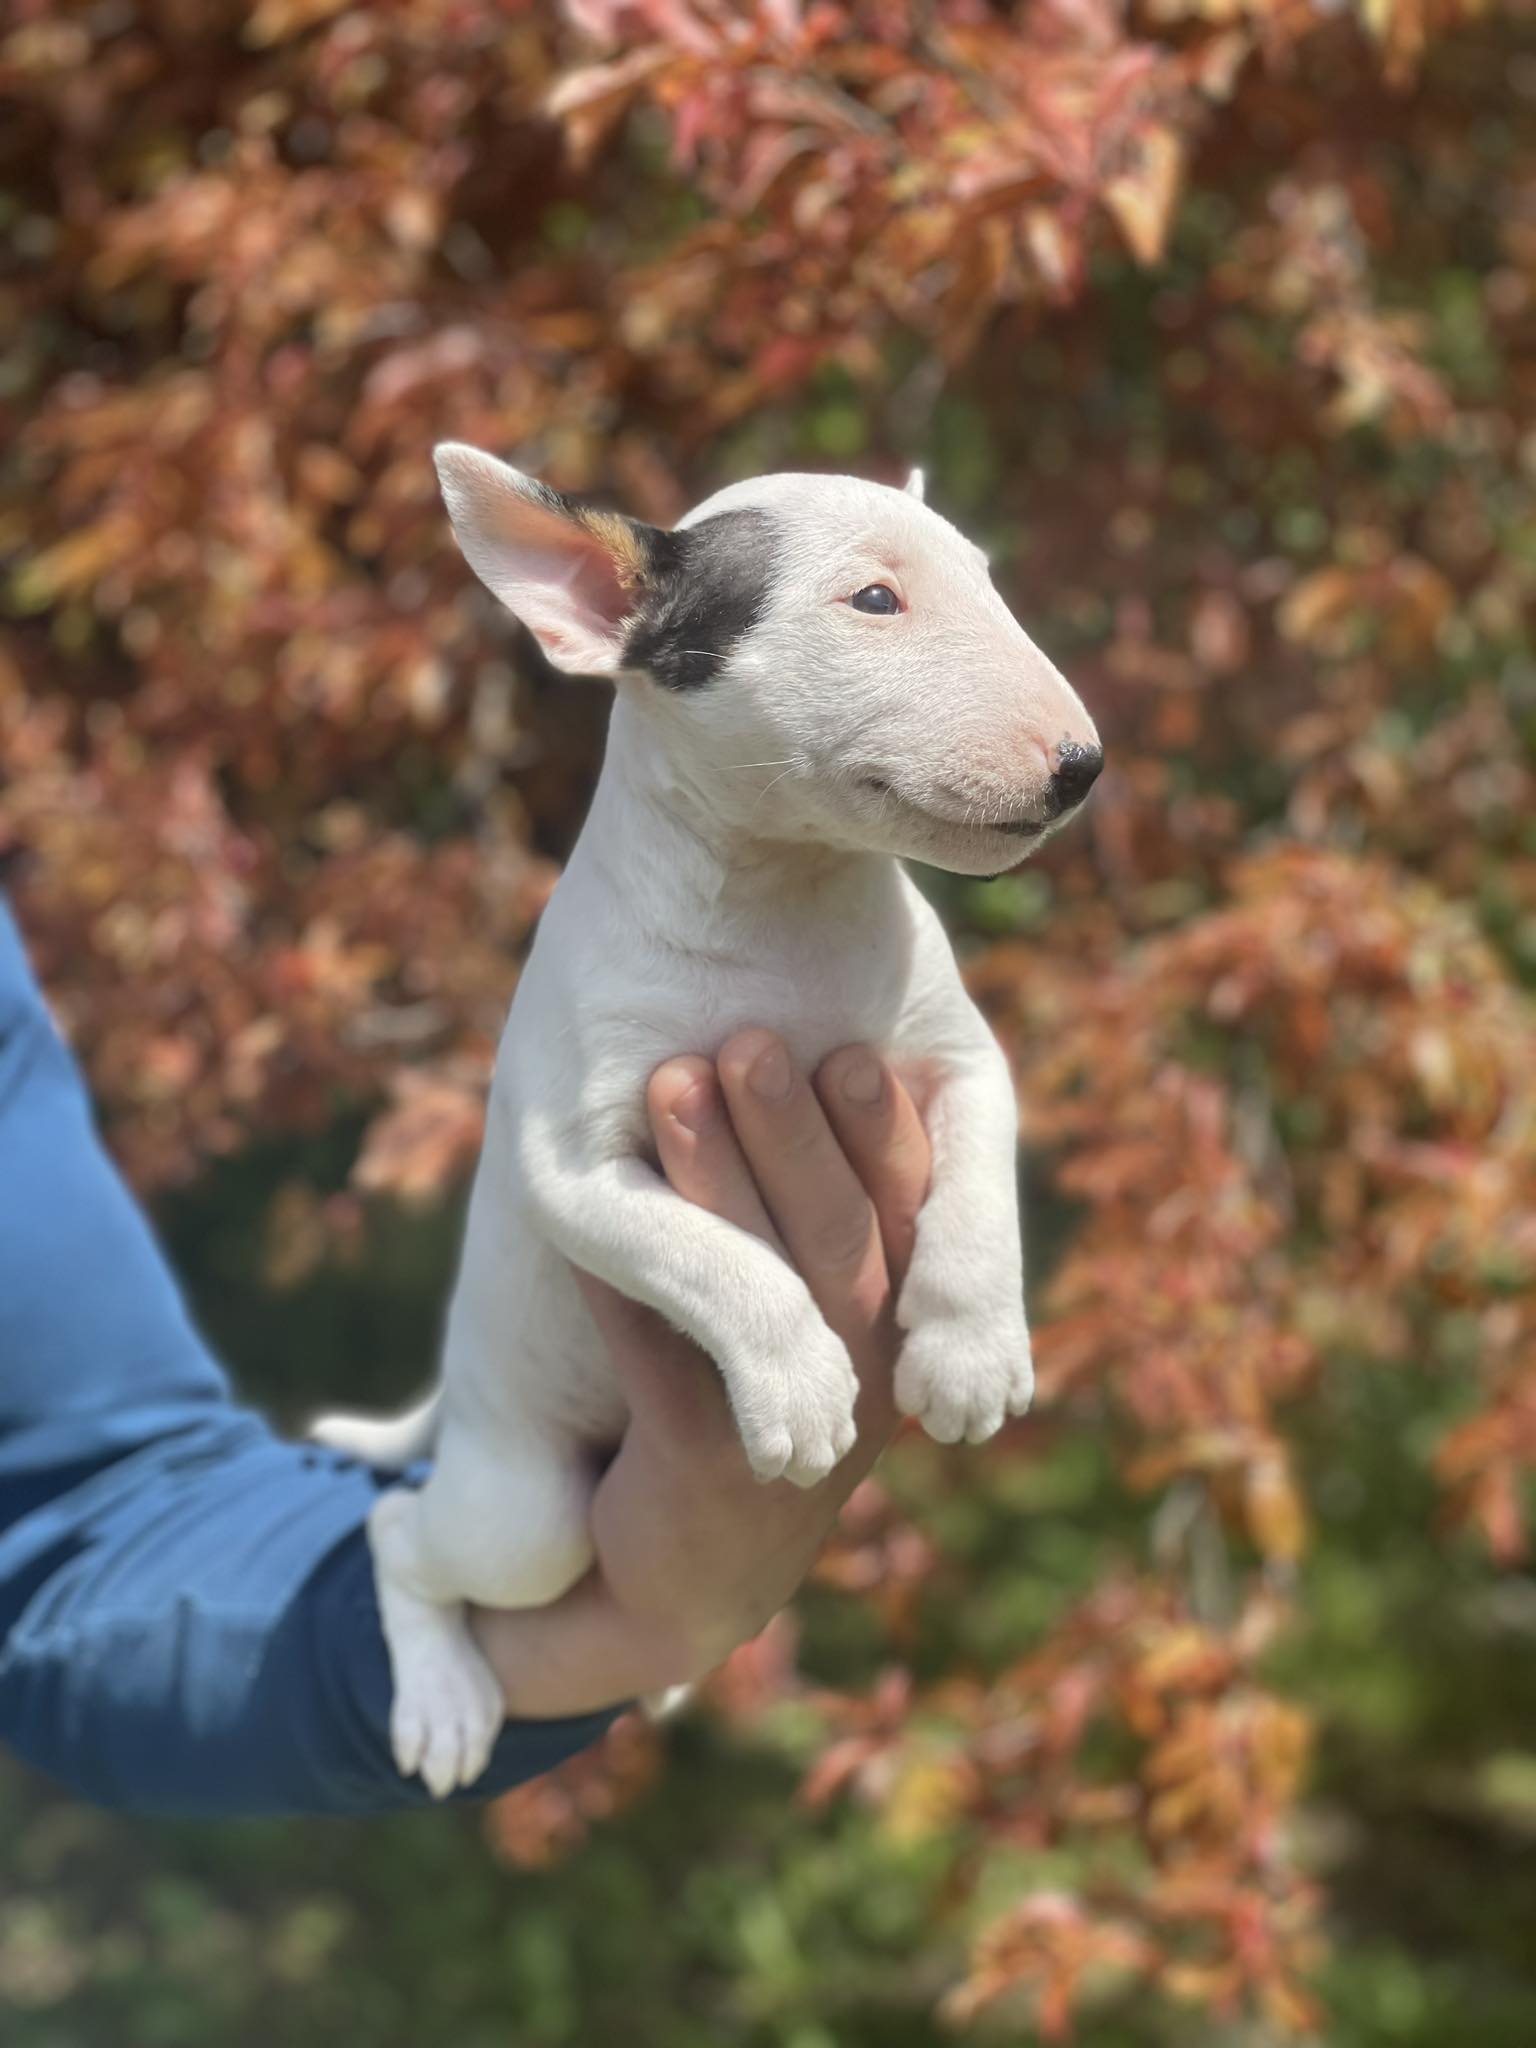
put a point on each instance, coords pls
(1216, 319)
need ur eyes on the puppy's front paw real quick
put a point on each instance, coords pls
(795, 1413)
(962, 1372)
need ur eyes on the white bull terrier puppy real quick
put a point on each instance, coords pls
(815, 679)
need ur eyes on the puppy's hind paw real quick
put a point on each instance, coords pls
(447, 1713)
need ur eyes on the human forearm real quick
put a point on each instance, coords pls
(187, 1612)
(580, 1655)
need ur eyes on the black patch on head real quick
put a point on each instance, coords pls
(706, 588)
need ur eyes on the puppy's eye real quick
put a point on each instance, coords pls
(876, 597)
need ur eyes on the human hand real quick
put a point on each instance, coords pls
(693, 1554)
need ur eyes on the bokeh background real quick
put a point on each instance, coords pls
(1201, 1705)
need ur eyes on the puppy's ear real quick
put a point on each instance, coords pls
(914, 485)
(573, 576)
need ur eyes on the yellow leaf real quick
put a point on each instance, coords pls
(1319, 603)
(1142, 198)
(927, 1796)
(1276, 1519)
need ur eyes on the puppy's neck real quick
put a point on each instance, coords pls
(657, 839)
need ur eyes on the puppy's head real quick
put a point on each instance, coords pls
(825, 660)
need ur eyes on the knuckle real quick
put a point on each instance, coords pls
(802, 1141)
(868, 1297)
(844, 1250)
(908, 1166)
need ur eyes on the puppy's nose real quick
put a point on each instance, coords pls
(1077, 769)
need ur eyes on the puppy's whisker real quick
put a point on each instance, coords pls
(764, 791)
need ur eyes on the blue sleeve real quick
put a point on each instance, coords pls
(187, 1611)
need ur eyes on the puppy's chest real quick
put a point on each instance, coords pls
(818, 990)
(818, 993)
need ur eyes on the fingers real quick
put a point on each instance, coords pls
(832, 1175)
(817, 1202)
(876, 1123)
(697, 1146)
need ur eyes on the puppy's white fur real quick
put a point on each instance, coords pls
(739, 867)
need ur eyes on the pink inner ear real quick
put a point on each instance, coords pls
(562, 565)
(597, 587)
(562, 576)
(583, 604)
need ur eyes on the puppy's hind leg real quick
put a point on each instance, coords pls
(447, 1703)
(504, 1526)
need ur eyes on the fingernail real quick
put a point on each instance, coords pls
(697, 1107)
(863, 1080)
(769, 1076)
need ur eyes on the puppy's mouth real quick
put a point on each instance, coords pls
(1013, 828)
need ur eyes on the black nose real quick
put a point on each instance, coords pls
(1077, 769)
